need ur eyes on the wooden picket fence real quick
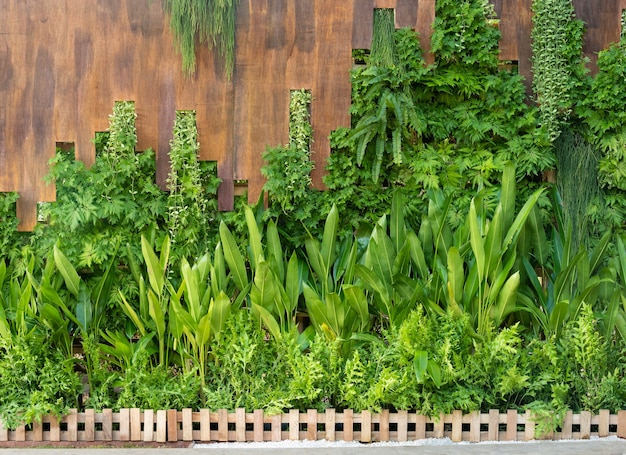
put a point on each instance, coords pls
(166, 426)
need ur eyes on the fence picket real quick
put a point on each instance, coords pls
(603, 424)
(311, 426)
(107, 425)
(148, 425)
(511, 425)
(585, 424)
(366, 426)
(161, 433)
(330, 418)
(294, 425)
(258, 423)
(348, 425)
(383, 426)
(187, 424)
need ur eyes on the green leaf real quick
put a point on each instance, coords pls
(233, 257)
(420, 365)
(476, 242)
(72, 280)
(156, 277)
(254, 236)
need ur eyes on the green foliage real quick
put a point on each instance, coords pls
(465, 33)
(35, 380)
(288, 168)
(211, 22)
(9, 240)
(192, 197)
(110, 204)
(383, 53)
(557, 64)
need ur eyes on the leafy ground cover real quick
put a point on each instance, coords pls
(439, 270)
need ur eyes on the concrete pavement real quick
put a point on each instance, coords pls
(607, 446)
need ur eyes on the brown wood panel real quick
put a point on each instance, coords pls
(363, 24)
(425, 19)
(406, 13)
(602, 24)
(506, 12)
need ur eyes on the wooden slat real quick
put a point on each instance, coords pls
(258, 425)
(72, 425)
(240, 424)
(311, 427)
(366, 426)
(188, 425)
(348, 425)
(222, 425)
(20, 433)
(276, 428)
(135, 424)
(511, 425)
(148, 425)
(403, 426)
(475, 426)
(330, 418)
(294, 425)
(529, 427)
(493, 433)
(420, 427)
(621, 424)
(566, 431)
(161, 422)
(383, 432)
(124, 424)
(603, 422)
(205, 424)
(457, 426)
(438, 426)
(4, 432)
(37, 431)
(107, 425)
(585, 425)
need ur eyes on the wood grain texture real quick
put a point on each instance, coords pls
(64, 63)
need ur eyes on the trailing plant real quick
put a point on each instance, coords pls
(211, 22)
(191, 200)
(9, 237)
(288, 168)
(112, 203)
(383, 52)
(557, 63)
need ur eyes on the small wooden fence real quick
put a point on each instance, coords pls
(134, 425)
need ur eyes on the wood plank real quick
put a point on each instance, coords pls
(20, 433)
(4, 432)
(475, 427)
(403, 426)
(72, 425)
(107, 425)
(240, 425)
(37, 431)
(161, 426)
(258, 425)
(362, 24)
(621, 424)
(585, 424)
(457, 426)
(124, 424)
(603, 422)
(383, 428)
(222, 425)
(511, 425)
(566, 431)
(330, 420)
(205, 424)
(187, 424)
(406, 13)
(420, 427)
(366, 426)
(348, 425)
(294, 425)
(135, 424)
(529, 427)
(493, 432)
(277, 428)
(311, 425)
(89, 434)
(148, 425)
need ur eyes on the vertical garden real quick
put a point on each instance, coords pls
(440, 270)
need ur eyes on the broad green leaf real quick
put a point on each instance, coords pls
(190, 286)
(538, 235)
(84, 307)
(156, 277)
(72, 280)
(356, 299)
(329, 238)
(435, 372)
(420, 364)
(521, 218)
(219, 311)
(275, 251)
(507, 299)
(132, 315)
(507, 195)
(493, 243)
(456, 276)
(267, 319)
(254, 237)
(293, 283)
(397, 227)
(478, 247)
(373, 283)
(233, 257)
(263, 291)
(417, 254)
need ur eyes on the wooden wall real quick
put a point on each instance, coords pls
(63, 64)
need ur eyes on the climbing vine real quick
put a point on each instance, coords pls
(212, 21)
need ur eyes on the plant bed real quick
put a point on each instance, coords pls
(172, 427)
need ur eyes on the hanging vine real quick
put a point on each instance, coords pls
(383, 52)
(211, 21)
(557, 62)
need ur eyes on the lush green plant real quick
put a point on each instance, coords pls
(9, 241)
(110, 204)
(383, 53)
(35, 380)
(288, 168)
(191, 199)
(211, 22)
(558, 67)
